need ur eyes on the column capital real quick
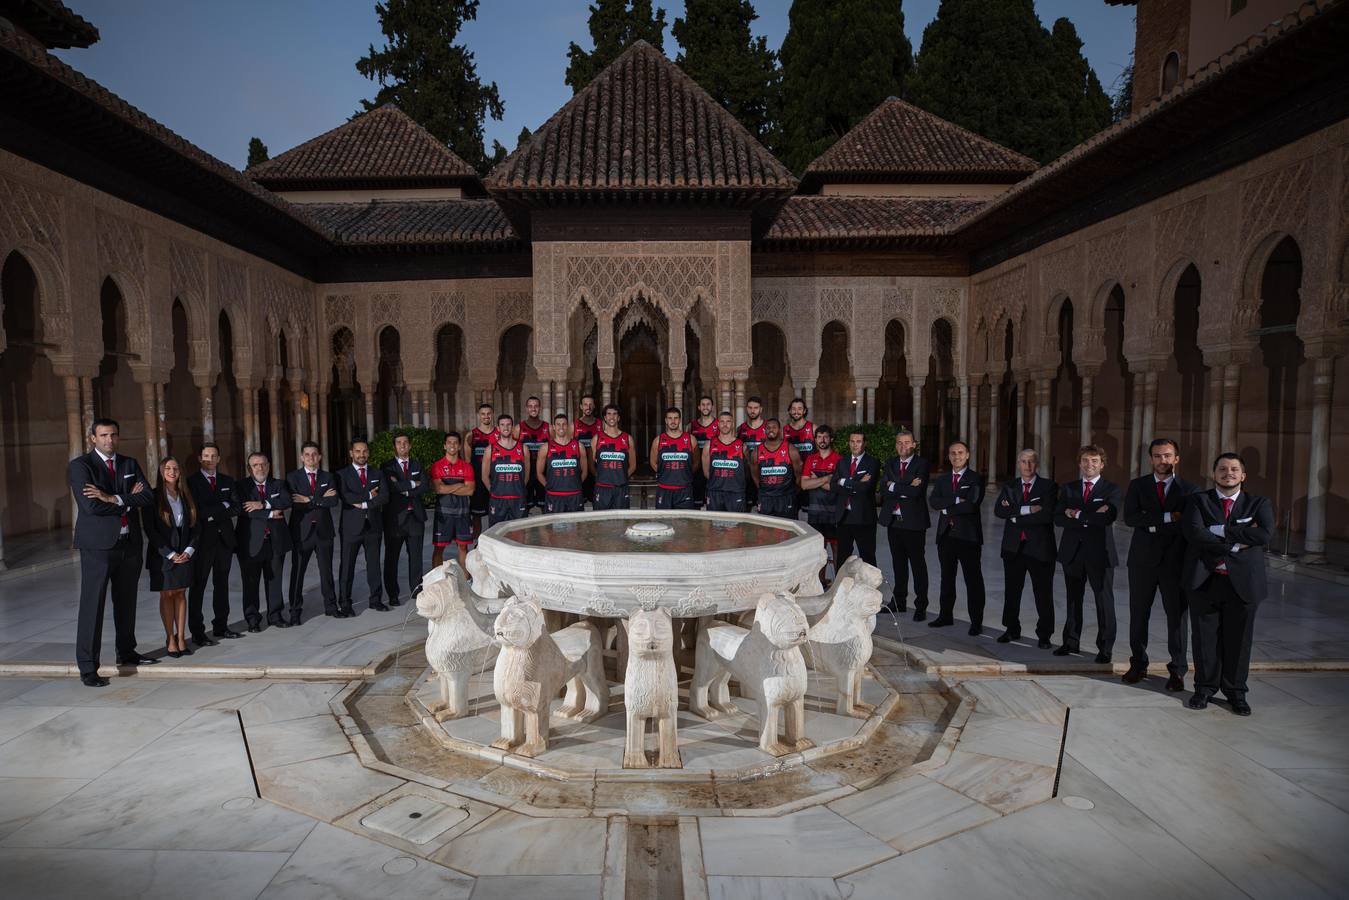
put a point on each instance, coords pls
(146, 374)
(1225, 355)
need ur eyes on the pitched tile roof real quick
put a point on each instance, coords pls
(51, 22)
(898, 141)
(641, 128)
(472, 224)
(861, 221)
(381, 148)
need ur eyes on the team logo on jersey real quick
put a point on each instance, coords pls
(674, 456)
(564, 462)
(613, 456)
(772, 471)
(507, 468)
(726, 464)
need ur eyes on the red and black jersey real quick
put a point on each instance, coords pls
(533, 436)
(803, 438)
(752, 437)
(821, 505)
(674, 457)
(726, 466)
(479, 441)
(776, 476)
(458, 472)
(703, 433)
(562, 468)
(585, 432)
(507, 469)
(611, 459)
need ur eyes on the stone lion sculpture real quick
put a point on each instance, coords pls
(459, 636)
(484, 582)
(840, 643)
(853, 567)
(767, 658)
(651, 688)
(532, 668)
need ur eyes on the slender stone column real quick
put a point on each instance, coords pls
(606, 386)
(322, 438)
(739, 400)
(87, 399)
(369, 413)
(161, 426)
(860, 405)
(1231, 387)
(298, 399)
(678, 394)
(1318, 468)
(207, 414)
(808, 394)
(1022, 412)
(1043, 437)
(993, 391)
(963, 431)
(1214, 413)
(151, 430)
(1149, 414)
(1136, 426)
(74, 434)
(1088, 383)
(274, 421)
(916, 387)
(972, 423)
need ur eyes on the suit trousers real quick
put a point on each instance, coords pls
(1144, 582)
(1102, 582)
(953, 552)
(1223, 626)
(369, 540)
(299, 562)
(1015, 568)
(410, 534)
(861, 537)
(119, 569)
(266, 566)
(907, 554)
(211, 563)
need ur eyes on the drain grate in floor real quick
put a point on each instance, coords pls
(415, 819)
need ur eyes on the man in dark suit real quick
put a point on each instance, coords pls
(109, 491)
(263, 540)
(1226, 532)
(1026, 506)
(404, 517)
(905, 518)
(360, 487)
(214, 493)
(854, 482)
(1086, 512)
(313, 497)
(957, 496)
(1153, 507)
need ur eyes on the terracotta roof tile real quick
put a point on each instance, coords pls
(855, 220)
(51, 22)
(899, 142)
(473, 223)
(642, 126)
(383, 147)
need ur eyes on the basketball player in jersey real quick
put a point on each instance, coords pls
(533, 433)
(562, 467)
(773, 467)
(479, 439)
(454, 483)
(800, 433)
(822, 505)
(585, 428)
(703, 428)
(505, 468)
(751, 434)
(726, 469)
(613, 462)
(674, 453)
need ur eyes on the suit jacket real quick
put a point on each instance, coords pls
(168, 540)
(99, 525)
(402, 494)
(855, 492)
(254, 527)
(218, 509)
(1251, 523)
(959, 519)
(316, 516)
(1038, 527)
(1156, 543)
(899, 492)
(1089, 540)
(355, 520)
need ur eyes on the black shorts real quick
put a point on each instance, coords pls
(451, 528)
(612, 496)
(827, 530)
(507, 509)
(480, 505)
(674, 498)
(588, 488)
(725, 501)
(699, 483)
(562, 503)
(535, 494)
(781, 505)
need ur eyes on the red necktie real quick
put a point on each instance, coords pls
(112, 470)
(955, 483)
(853, 470)
(313, 483)
(405, 475)
(1228, 503)
(262, 495)
(362, 471)
(1161, 493)
(903, 466)
(211, 479)
(1025, 499)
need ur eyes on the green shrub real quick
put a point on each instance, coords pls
(428, 445)
(880, 439)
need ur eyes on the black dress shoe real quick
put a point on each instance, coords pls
(175, 653)
(1008, 636)
(227, 634)
(1044, 644)
(919, 615)
(331, 613)
(94, 681)
(137, 660)
(1175, 684)
(186, 651)
(295, 619)
(1103, 657)
(254, 628)
(279, 623)
(202, 640)
(1133, 676)
(379, 606)
(394, 601)
(345, 613)
(940, 622)
(1065, 650)
(975, 630)
(1241, 707)
(1197, 701)
(903, 606)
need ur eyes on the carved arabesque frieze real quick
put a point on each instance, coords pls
(384, 310)
(448, 308)
(32, 217)
(339, 310)
(1059, 272)
(771, 306)
(1179, 231)
(513, 308)
(674, 281)
(1275, 198)
(1106, 258)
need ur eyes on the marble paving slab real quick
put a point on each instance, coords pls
(813, 842)
(25, 798)
(910, 811)
(508, 843)
(1317, 690)
(1081, 691)
(1285, 737)
(143, 874)
(747, 887)
(1331, 785)
(1016, 699)
(1003, 784)
(326, 788)
(333, 863)
(288, 700)
(15, 720)
(84, 743)
(293, 740)
(552, 887)
(1018, 739)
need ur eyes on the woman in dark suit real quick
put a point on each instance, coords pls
(173, 529)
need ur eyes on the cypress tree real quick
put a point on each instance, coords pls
(718, 51)
(257, 152)
(1085, 104)
(614, 25)
(840, 59)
